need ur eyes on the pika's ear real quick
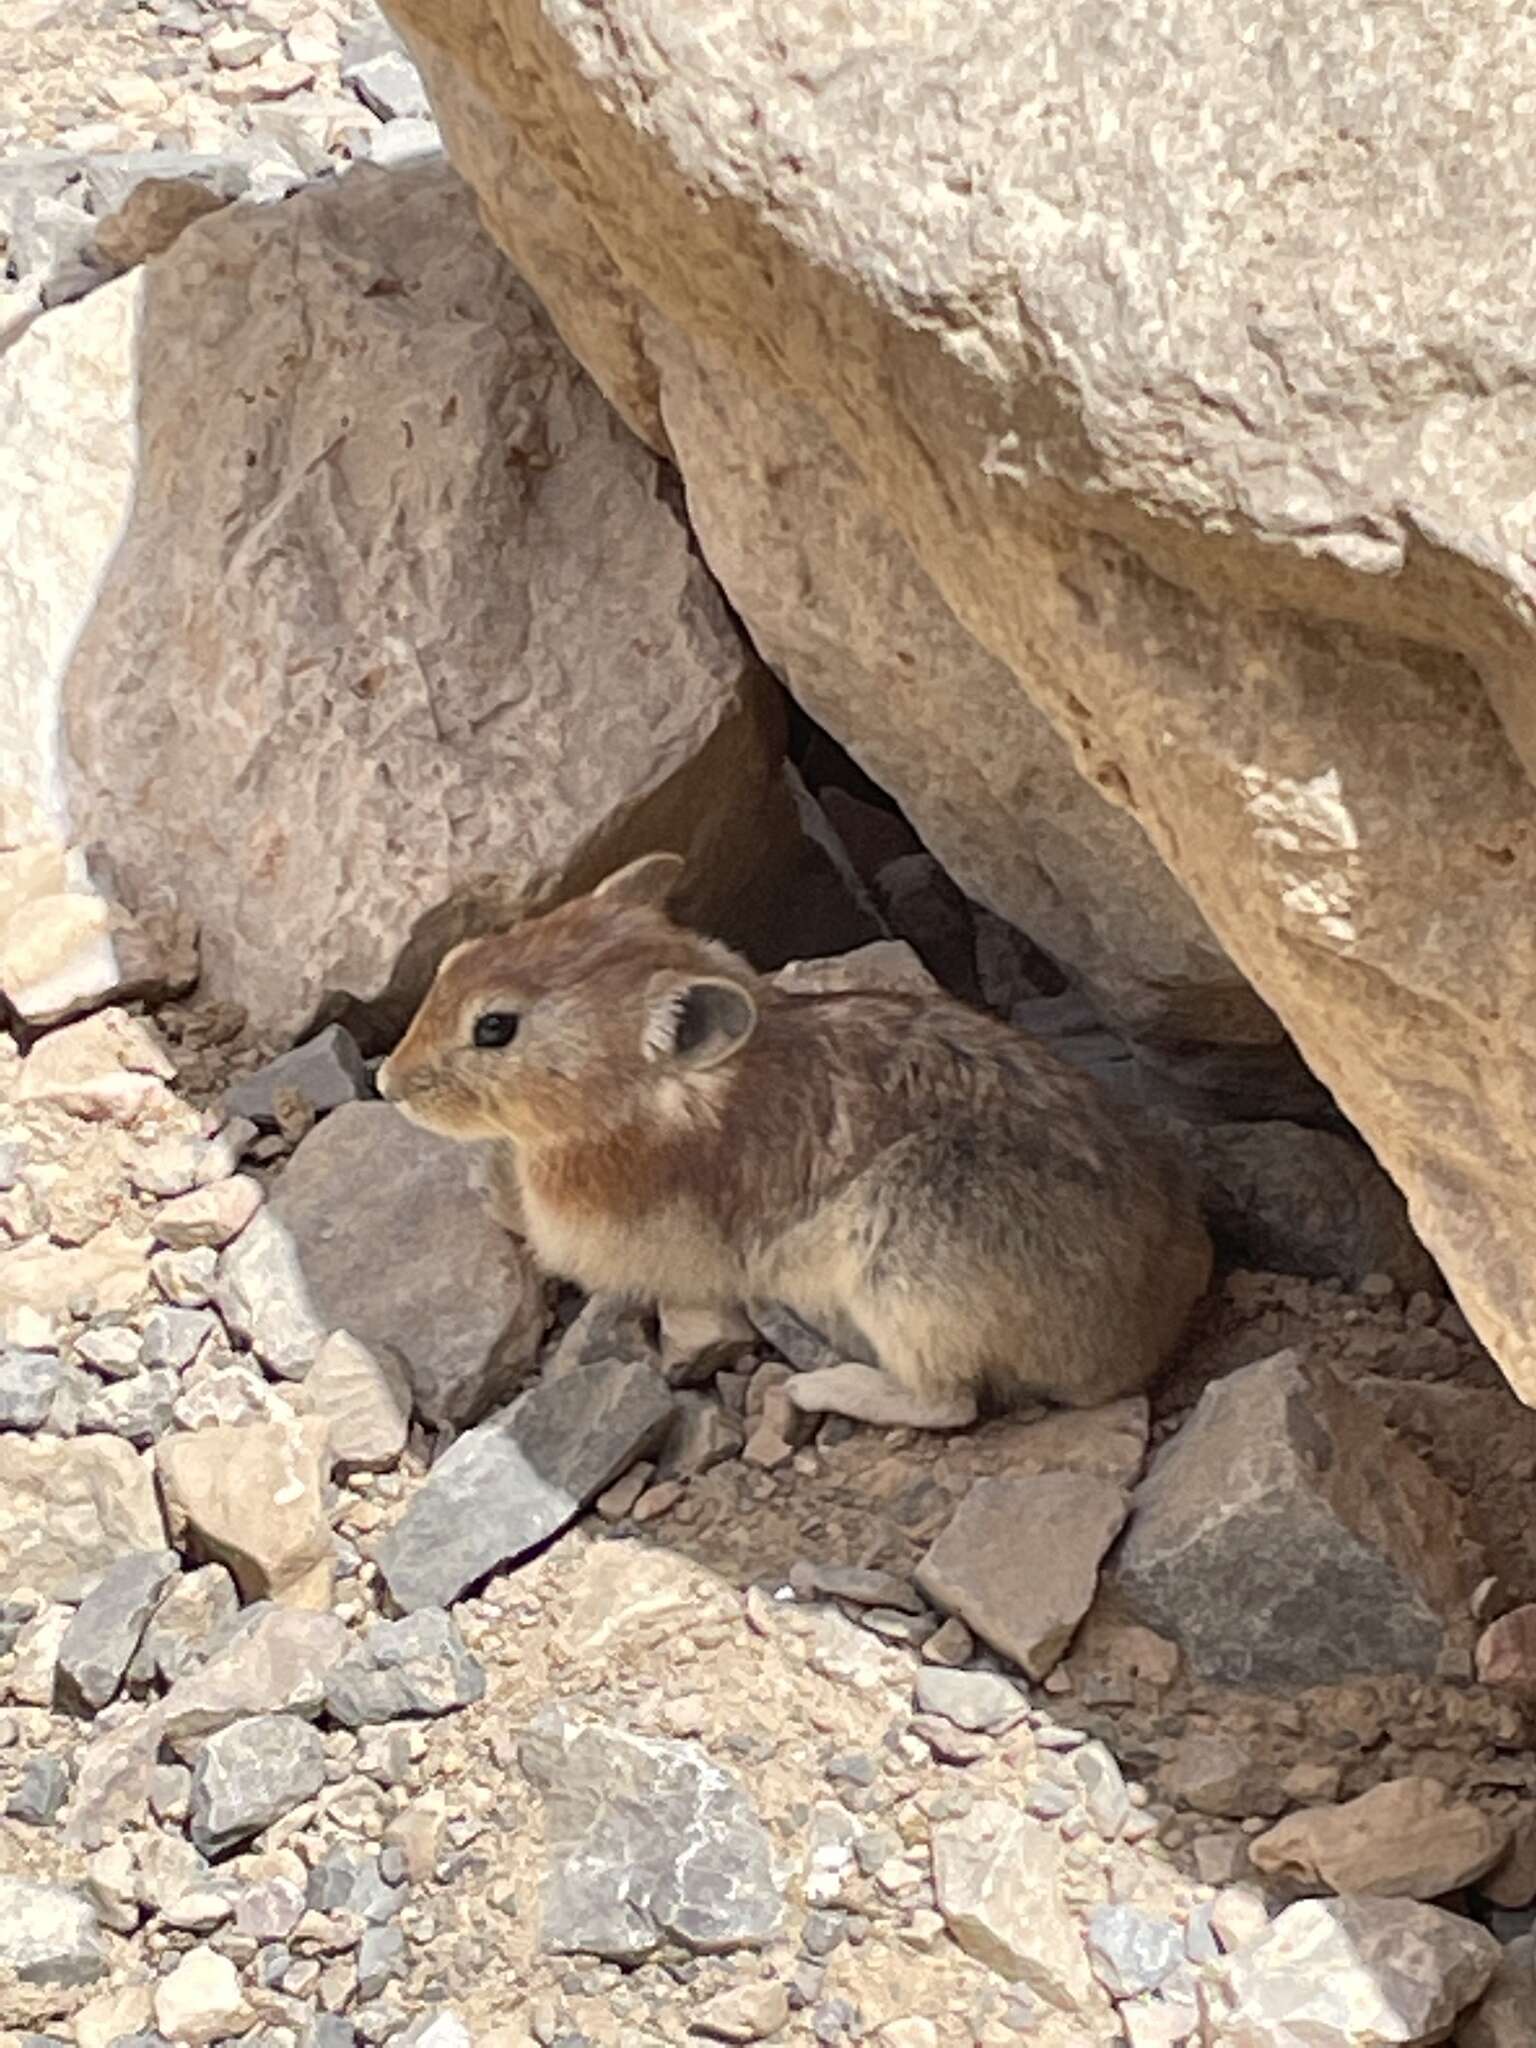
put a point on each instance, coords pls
(649, 880)
(696, 1020)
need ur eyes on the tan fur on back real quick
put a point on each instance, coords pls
(896, 1164)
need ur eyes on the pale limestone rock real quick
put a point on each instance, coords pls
(999, 1880)
(516, 671)
(1349, 1973)
(1407, 1839)
(69, 1510)
(252, 1497)
(364, 1399)
(200, 2001)
(212, 1215)
(1267, 577)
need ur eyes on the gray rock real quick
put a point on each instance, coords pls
(329, 2030)
(380, 1958)
(277, 1661)
(702, 1436)
(28, 1382)
(981, 1701)
(1282, 1198)
(1131, 1951)
(1349, 1973)
(647, 1842)
(402, 1669)
(106, 1628)
(326, 1070)
(1286, 1537)
(399, 143)
(859, 1585)
(519, 1478)
(48, 1934)
(249, 1775)
(389, 85)
(1019, 1561)
(261, 1292)
(174, 1336)
(140, 1410)
(804, 1348)
(114, 1350)
(606, 1332)
(457, 1298)
(193, 1622)
(44, 1787)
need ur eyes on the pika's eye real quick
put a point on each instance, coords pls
(496, 1027)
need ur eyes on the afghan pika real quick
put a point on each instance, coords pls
(921, 1183)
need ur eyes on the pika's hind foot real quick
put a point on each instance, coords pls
(865, 1394)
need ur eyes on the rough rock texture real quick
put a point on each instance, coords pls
(252, 1497)
(396, 1248)
(105, 1628)
(1349, 1973)
(1265, 570)
(517, 1479)
(48, 1935)
(998, 1877)
(364, 1399)
(1019, 1562)
(1285, 1536)
(454, 649)
(248, 1775)
(1409, 1839)
(418, 1666)
(647, 1842)
(1281, 1198)
(69, 1510)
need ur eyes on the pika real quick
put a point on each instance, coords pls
(919, 1182)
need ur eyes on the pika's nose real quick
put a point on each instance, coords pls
(384, 1081)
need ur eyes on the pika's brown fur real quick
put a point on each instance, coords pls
(916, 1180)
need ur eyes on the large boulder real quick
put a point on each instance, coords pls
(404, 630)
(1203, 419)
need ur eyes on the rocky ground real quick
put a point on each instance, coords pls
(395, 1648)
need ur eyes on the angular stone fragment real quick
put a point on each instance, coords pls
(1279, 1197)
(1132, 1951)
(647, 1843)
(982, 1701)
(744, 2012)
(1019, 1561)
(139, 1410)
(1407, 1839)
(277, 1661)
(1286, 1537)
(104, 1632)
(1349, 1973)
(200, 2001)
(249, 1775)
(253, 1498)
(69, 1510)
(364, 1399)
(262, 1295)
(1505, 2015)
(28, 1382)
(1506, 1652)
(214, 1215)
(49, 1935)
(455, 1297)
(516, 1480)
(409, 1668)
(998, 1877)
(326, 1070)
(526, 736)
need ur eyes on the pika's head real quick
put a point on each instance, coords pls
(578, 1022)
